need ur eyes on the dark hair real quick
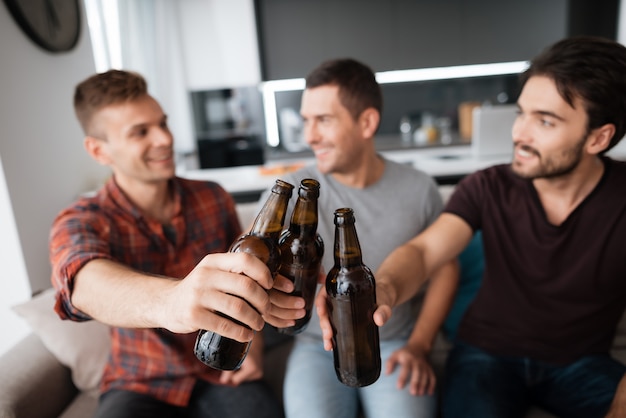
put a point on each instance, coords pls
(358, 88)
(592, 69)
(104, 89)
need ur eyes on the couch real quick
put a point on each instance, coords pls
(54, 371)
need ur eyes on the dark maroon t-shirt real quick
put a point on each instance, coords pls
(552, 293)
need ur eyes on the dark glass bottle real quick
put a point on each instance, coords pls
(262, 241)
(351, 302)
(301, 251)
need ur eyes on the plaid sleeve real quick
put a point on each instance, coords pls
(77, 236)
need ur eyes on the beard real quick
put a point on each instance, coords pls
(552, 166)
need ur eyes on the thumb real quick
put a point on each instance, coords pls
(382, 315)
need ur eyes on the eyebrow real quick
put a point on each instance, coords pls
(317, 116)
(542, 113)
(548, 113)
(144, 124)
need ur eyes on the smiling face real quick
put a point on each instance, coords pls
(549, 135)
(135, 141)
(335, 137)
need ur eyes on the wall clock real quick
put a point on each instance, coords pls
(52, 24)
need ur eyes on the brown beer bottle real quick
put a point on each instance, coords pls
(262, 241)
(351, 303)
(301, 251)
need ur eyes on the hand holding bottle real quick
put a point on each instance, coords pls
(381, 314)
(216, 350)
(233, 284)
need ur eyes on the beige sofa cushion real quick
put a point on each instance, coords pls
(81, 346)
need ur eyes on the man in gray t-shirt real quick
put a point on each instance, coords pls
(392, 202)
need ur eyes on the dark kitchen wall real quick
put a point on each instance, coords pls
(296, 35)
(593, 18)
(440, 97)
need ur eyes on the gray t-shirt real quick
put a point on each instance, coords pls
(388, 213)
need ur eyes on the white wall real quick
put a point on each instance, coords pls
(14, 280)
(43, 165)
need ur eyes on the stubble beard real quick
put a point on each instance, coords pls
(551, 167)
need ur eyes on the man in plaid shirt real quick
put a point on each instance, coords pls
(148, 256)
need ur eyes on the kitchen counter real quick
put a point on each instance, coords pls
(446, 164)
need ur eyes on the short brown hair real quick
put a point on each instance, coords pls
(358, 88)
(104, 89)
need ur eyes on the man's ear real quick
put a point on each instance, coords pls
(96, 149)
(369, 120)
(600, 138)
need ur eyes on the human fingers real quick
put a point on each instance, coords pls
(242, 263)
(401, 360)
(248, 371)
(284, 309)
(248, 277)
(283, 284)
(199, 303)
(219, 301)
(282, 300)
(322, 312)
(237, 297)
(382, 315)
(423, 379)
(391, 363)
(226, 378)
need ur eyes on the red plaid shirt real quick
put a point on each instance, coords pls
(152, 361)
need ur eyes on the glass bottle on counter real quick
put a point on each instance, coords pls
(262, 241)
(301, 251)
(351, 303)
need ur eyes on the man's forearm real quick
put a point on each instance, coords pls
(118, 295)
(406, 269)
(400, 275)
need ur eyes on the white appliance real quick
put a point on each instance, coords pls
(491, 130)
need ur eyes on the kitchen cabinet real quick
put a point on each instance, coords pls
(219, 42)
(296, 35)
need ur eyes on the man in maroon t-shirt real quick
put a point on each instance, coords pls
(553, 224)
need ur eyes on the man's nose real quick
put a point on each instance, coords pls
(310, 132)
(520, 129)
(162, 136)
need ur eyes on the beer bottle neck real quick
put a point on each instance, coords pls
(304, 218)
(347, 247)
(269, 221)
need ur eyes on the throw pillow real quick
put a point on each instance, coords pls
(81, 346)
